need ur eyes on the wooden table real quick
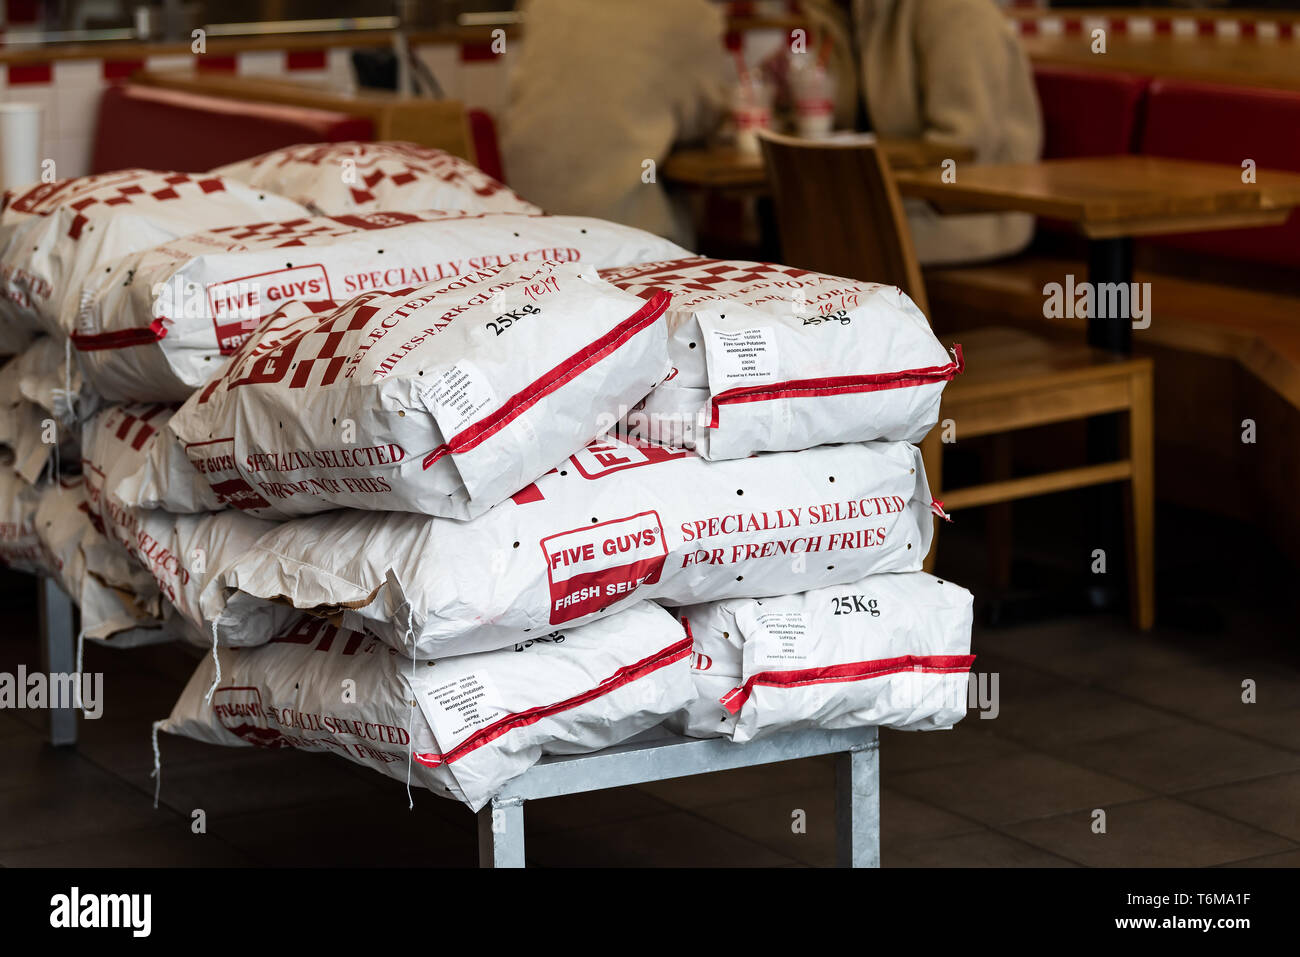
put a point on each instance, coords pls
(1245, 63)
(725, 167)
(1112, 199)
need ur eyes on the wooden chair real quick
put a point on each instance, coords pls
(840, 213)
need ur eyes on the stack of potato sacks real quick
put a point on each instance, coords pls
(447, 490)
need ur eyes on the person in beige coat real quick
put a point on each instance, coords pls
(600, 87)
(946, 70)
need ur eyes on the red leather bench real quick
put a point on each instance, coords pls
(169, 129)
(1088, 112)
(1228, 124)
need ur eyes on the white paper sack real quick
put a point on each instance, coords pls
(108, 614)
(482, 720)
(179, 556)
(774, 358)
(889, 650)
(47, 402)
(54, 236)
(614, 524)
(157, 325)
(432, 401)
(20, 547)
(337, 178)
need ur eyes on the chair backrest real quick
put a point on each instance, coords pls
(839, 212)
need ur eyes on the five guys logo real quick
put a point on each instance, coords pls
(239, 710)
(594, 566)
(238, 304)
(215, 461)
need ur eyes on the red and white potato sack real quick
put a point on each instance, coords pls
(334, 179)
(888, 650)
(155, 327)
(443, 400)
(480, 720)
(774, 358)
(20, 546)
(614, 524)
(54, 236)
(46, 401)
(176, 556)
(66, 533)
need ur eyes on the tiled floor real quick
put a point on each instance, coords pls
(1151, 730)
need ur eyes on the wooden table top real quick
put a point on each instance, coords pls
(725, 167)
(1246, 63)
(1112, 196)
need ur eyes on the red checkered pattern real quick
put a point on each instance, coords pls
(134, 426)
(698, 275)
(399, 164)
(298, 232)
(111, 189)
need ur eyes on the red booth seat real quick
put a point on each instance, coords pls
(1229, 124)
(1089, 112)
(483, 131)
(168, 129)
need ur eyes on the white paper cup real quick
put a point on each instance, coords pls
(20, 144)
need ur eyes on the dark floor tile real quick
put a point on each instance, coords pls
(981, 848)
(1016, 788)
(1214, 691)
(968, 741)
(129, 691)
(1091, 648)
(1155, 833)
(591, 809)
(75, 803)
(1016, 680)
(720, 787)
(798, 824)
(172, 845)
(258, 781)
(357, 833)
(10, 725)
(905, 820)
(1271, 803)
(1050, 722)
(30, 762)
(676, 839)
(771, 821)
(1187, 756)
(124, 745)
(1280, 728)
(1284, 859)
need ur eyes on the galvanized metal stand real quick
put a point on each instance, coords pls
(58, 654)
(657, 756)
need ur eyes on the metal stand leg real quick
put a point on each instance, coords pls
(1110, 261)
(58, 654)
(501, 833)
(857, 807)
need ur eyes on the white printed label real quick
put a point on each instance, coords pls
(781, 640)
(459, 707)
(743, 357)
(457, 397)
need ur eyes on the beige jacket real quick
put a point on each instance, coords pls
(949, 71)
(601, 86)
